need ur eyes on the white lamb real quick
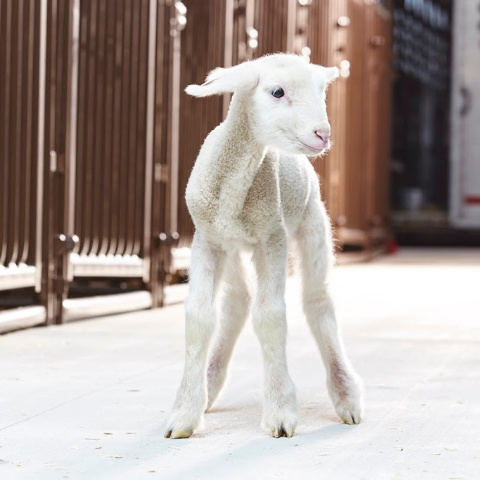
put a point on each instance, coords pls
(253, 190)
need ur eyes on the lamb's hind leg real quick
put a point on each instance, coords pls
(315, 246)
(234, 310)
(191, 401)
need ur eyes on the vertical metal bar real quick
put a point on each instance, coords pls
(101, 171)
(147, 229)
(108, 204)
(291, 25)
(42, 66)
(28, 128)
(14, 134)
(138, 106)
(175, 119)
(93, 128)
(62, 208)
(72, 106)
(81, 228)
(137, 124)
(249, 17)
(48, 259)
(228, 47)
(88, 88)
(24, 136)
(156, 211)
(4, 99)
(141, 126)
(124, 193)
(115, 231)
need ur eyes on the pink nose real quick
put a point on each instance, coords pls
(323, 135)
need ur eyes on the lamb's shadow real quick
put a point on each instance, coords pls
(243, 419)
(230, 423)
(265, 450)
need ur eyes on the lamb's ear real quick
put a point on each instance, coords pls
(328, 74)
(225, 80)
(332, 73)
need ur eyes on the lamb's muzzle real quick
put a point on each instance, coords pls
(324, 136)
(251, 194)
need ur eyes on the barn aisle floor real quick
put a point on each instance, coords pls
(88, 400)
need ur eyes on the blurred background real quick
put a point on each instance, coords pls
(97, 138)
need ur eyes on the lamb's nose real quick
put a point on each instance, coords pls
(323, 135)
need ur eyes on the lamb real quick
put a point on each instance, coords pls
(253, 190)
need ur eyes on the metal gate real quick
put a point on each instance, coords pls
(85, 137)
(97, 139)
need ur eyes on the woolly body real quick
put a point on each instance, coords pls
(239, 191)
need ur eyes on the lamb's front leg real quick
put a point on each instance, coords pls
(191, 401)
(270, 323)
(235, 307)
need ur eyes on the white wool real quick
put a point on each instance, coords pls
(253, 189)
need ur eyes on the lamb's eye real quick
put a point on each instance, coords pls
(278, 92)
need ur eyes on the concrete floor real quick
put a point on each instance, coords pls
(88, 400)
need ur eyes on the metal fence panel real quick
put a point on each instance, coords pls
(19, 128)
(111, 135)
(22, 68)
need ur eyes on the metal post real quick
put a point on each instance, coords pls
(180, 21)
(41, 143)
(147, 232)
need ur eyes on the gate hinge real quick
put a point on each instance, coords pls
(65, 243)
(168, 238)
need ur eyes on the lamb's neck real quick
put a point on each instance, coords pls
(239, 134)
(240, 157)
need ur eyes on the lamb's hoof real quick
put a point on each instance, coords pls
(182, 424)
(348, 400)
(179, 433)
(349, 409)
(283, 431)
(282, 426)
(349, 415)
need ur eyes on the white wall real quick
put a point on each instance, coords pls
(465, 116)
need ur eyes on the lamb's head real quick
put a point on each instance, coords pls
(286, 100)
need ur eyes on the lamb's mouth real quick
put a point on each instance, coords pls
(315, 150)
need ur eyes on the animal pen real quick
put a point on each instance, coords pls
(97, 139)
